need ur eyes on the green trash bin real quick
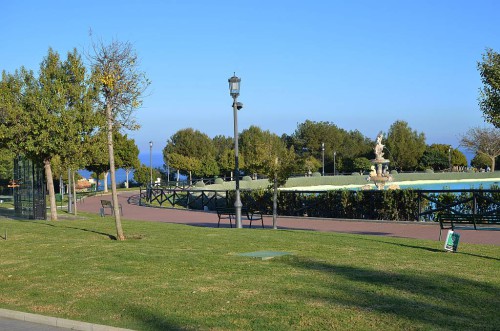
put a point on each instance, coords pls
(451, 242)
(59, 198)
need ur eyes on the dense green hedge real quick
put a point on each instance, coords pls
(396, 205)
(379, 205)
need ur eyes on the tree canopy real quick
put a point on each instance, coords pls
(405, 146)
(483, 141)
(192, 151)
(489, 94)
(49, 115)
(121, 85)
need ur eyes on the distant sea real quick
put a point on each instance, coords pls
(157, 162)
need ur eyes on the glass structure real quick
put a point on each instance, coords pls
(29, 195)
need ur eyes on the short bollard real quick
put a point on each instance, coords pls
(101, 212)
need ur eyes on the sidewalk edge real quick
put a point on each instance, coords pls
(58, 322)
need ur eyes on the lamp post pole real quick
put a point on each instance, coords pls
(234, 91)
(449, 158)
(151, 164)
(168, 173)
(70, 206)
(334, 155)
(323, 156)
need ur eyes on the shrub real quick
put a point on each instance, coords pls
(247, 178)
(219, 181)
(200, 184)
(356, 174)
(394, 172)
(429, 171)
(316, 174)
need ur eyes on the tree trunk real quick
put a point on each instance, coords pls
(275, 204)
(105, 183)
(492, 164)
(116, 208)
(50, 187)
(127, 171)
(74, 192)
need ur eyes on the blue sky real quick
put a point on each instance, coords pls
(359, 64)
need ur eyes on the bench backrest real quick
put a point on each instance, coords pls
(468, 218)
(106, 203)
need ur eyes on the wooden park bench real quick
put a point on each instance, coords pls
(107, 204)
(452, 221)
(230, 213)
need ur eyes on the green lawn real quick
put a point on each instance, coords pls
(168, 276)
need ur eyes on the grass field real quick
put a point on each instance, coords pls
(178, 277)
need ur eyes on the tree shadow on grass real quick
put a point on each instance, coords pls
(429, 300)
(150, 320)
(433, 250)
(57, 225)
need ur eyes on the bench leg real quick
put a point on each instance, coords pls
(101, 212)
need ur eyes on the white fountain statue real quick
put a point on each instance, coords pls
(380, 169)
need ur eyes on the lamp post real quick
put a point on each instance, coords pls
(151, 164)
(70, 206)
(323, 156)
(449, 158)
(168, 172)
(334, 155)
(234, 91)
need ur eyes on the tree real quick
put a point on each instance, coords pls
(481, 161)
(6, 164)
(309, 164)
(224, 147)
(142, 174)
(434, 158)
(127, 153)
(483, 141)
(121, 87)
(405, 145)
(195, 153)
(81, 118)
(97, 157)
(46, 116)
(458, 158)
(362, 164)
(277, 166)
(309, 136)
(254, 145)
(489, 95)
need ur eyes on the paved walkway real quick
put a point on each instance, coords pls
(131, 210)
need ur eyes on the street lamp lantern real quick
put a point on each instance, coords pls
(234, 86)
(234, 91)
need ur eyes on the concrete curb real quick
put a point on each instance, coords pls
(58, 322)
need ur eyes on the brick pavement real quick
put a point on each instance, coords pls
(132, 210)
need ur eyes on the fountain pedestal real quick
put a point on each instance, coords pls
(380, 174)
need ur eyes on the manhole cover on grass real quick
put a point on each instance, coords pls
(264, 255)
